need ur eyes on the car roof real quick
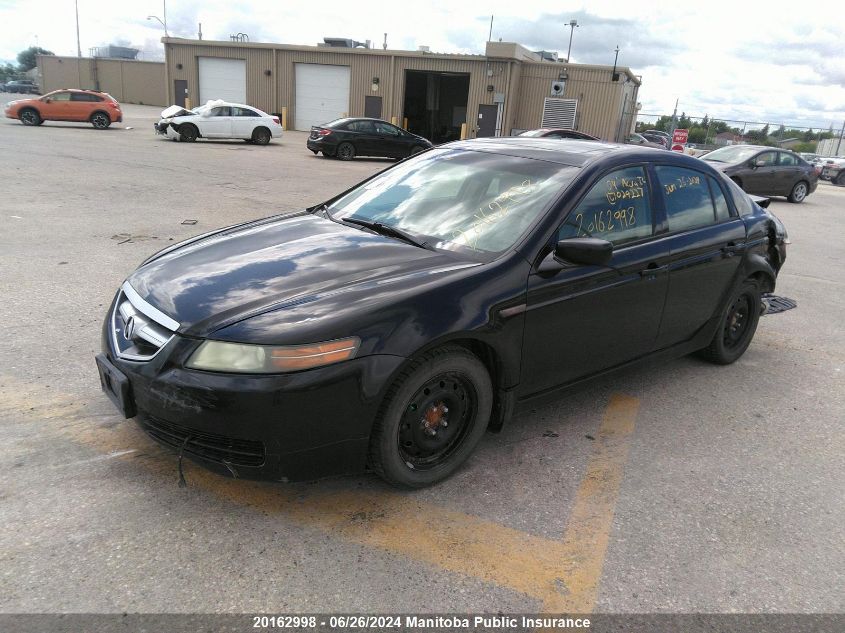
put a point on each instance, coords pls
(572, 152)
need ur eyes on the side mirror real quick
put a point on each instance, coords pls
(591, 251)
(588, 251)
(760, 163)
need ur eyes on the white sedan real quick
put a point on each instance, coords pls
(219, 119)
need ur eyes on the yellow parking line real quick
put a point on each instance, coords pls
(562, 575)
(591, 518)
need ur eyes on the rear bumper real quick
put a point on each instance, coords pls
(321, 145)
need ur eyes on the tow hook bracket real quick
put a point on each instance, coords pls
(773, 304)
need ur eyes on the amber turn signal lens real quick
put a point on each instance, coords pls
(298, 357)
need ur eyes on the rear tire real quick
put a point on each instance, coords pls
(345, 151)
(840, 179)
(30, 116)
(188, 133)
(100, 120)
(261, 136)
(433, 416)
(799, 192)
(738, 322)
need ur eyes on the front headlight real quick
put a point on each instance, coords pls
(266, 359)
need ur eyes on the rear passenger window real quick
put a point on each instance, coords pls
(788, 159)
(84, 96)
(686, 196)
(723, 212)
(616, 209)
(244, 112)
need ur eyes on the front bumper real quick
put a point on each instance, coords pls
(286, 427)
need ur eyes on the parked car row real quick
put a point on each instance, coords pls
(833, 169)
(23, 86)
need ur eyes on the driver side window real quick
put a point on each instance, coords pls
(60, 96)
(617, 209)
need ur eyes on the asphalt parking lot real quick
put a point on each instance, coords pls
(679, 487)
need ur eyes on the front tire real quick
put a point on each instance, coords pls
(30, 116)
(261, 136)
(100, 120)
(432, 418)
(739, 319)
(799, 192)
(840, 179)
(345, 151)
(188, 133)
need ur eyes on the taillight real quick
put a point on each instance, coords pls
(115, 105)
(324, 132)
(276, 120)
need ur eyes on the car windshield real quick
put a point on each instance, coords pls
(735, 154)
(469, 201)
(534, 133)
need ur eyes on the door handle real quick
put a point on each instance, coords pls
(730, 249)
(653, 269)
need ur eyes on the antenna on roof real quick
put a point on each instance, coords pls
(384, 46)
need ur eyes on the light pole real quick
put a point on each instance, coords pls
(572, 25)
(164, 24)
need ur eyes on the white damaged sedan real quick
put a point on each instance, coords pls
(219, 119)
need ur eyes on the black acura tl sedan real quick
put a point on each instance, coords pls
(390, 326)
(347, 138)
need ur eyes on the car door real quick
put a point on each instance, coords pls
(760, 176)
(362, 135)
(583, 319)
(244, 121)
(82, 105)
(217, 123)
(389, 141)
(55, 106)
(706, 240)
(788, 172)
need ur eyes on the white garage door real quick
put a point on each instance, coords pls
(222, 79)
(322, 94)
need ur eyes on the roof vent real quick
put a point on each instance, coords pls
(344, 42)
(424, 49)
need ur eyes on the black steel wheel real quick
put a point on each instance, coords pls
(30, 116)
(799, 192)
(432, 418)
(100, 120)
(261, 136)
(345, 151)
(737, 326)
(188, 132)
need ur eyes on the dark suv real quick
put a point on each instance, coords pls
(23, 86)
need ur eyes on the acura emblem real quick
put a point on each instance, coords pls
(129, 328)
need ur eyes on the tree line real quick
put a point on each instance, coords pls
(26, 61)
(704, 131)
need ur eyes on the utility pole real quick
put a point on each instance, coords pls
(572, 25)
(839, 142)
(674, 120)
(490, 36)
(78, 46)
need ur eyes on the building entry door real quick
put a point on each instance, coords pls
(487, 119)
(372, 107)
(180, 91)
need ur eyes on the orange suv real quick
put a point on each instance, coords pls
(98, 108)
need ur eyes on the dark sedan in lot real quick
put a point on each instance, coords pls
(392, 325)
(546, 132)
(347, 138)
(766, 171)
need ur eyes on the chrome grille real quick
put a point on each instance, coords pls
(139, 330)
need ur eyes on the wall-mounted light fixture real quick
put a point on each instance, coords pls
(179, 66)
(268, 72)
(562, 76)
(375, 83)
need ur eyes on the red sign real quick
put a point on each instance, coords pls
(677, 147)
(680, 136)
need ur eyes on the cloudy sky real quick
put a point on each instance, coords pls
(743, 60)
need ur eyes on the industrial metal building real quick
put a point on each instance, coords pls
(507, 90)
(128, 81)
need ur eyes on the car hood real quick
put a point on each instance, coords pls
(248, 270)
(173, 111)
